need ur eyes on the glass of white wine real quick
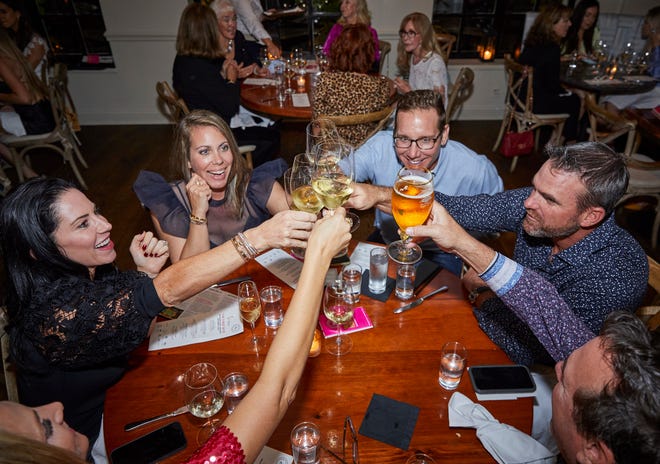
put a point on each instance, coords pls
(320, 130)
(204, 394)
(334, 170)
(338, 307)
(250, 305)
(302, 197)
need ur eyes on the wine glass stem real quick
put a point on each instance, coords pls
(254, 337)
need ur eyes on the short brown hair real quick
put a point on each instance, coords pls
(422, 100)
(198, 32)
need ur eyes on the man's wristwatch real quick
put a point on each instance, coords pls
(475, 292)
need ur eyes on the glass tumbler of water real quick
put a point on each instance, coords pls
(236, 387)
(378, 262)
(305, 443)
(452, 365)
(405, 281)
(351, 274)
(271, 302)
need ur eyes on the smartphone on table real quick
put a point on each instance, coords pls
(501, 380)
(152, 447)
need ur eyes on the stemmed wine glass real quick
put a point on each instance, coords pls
(204, 393)
(412, 198)
(338, 307)
(320, 130)
(250, 305)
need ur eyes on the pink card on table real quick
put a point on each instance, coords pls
(360, 322)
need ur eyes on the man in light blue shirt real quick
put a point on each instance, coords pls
(420, 140)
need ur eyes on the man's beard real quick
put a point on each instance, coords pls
(554, 232)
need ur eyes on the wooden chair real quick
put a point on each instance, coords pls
(380, 117)
(644, 171)
(519, 105)
(446, 43)
(8, 368)
(650, 314)
(460, 91)
(176, 109)
(385, 47)
(61, 139)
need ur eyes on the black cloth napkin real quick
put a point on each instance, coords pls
(389, 421)
(389, 287)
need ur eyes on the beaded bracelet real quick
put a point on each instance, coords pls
(197, 220)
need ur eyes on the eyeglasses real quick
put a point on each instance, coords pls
(423, 143)
(410, 34)
(348, 423)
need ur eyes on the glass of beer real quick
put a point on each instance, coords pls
(412, 198)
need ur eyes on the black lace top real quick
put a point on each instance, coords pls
(71, 343)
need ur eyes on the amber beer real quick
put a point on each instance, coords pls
(412, 198)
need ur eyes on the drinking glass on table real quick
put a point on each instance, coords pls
(338, 307)
(412, 199)
(249, 303)
(204, 393)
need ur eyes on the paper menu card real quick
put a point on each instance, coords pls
(282, 265)
(272, 456)
(361, 252)
(259, 81)
(210, 315)
(300, 99)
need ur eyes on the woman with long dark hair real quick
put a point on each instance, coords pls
(583, 35)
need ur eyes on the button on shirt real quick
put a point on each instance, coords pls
(604, 272)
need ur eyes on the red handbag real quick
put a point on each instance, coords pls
(517, 143)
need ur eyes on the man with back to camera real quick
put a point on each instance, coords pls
(420, 140)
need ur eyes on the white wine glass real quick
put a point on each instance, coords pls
(338, 307)
(249, 303)
(320, 130)
(412, 199)
(204, 394)
(302, 197)
(334, 170)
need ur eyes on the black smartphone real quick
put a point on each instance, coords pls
(501, 379)
(152, 447)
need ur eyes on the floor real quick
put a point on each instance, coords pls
(116, 154)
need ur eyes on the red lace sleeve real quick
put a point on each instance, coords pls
(221, 448)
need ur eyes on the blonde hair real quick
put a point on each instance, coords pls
(423, 27)
(10, 52)
(362, 13)
(239, 175)
(198, 33)
(18, 449)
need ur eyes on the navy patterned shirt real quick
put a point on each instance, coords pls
(604, 272)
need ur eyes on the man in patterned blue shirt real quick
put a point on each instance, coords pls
(570, 255)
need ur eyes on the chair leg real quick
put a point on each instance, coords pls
(514, 163)
(502, 129)
(656, 224)
(537, 136)
(17, 159)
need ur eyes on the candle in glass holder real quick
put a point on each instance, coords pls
(300, 81)
(487, 54)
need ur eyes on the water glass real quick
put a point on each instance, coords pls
(305, 443)
(271, 302)
(452, 365)
(420, 458)
(405, 281)
(351, 274)
(378, 270)
(236, 387)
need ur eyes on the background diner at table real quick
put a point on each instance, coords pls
(217, 196)
(583, 36)
(206, 80)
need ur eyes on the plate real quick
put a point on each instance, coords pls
(638, 78)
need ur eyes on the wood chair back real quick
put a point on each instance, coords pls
(380, 117)
(446, 43)
(650, 314)
(175, 106)
(460, 91)
(385, 47)
(616, 126)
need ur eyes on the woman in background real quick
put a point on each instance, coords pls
(218, 196)
(542, 52)
(583, 35)
(348, 88)
(419, 56)
(353, 12)
(14, 19)
(206, 80)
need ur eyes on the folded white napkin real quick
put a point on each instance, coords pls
(506, 444)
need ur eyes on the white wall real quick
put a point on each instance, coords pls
(142, 35)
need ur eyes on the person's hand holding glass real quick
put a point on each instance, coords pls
(412, 199)
(204, 394)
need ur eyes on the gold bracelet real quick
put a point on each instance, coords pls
(239, 249)
(252, 251)
(197, 220)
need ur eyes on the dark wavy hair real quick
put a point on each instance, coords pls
(571, 40)
(602, 170)
(541, 32)
(625, 415)
(24, 32)
(422, 100)
(353, 50)
(28, 220)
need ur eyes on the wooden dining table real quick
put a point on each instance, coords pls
(262, 98)
(398, 358)
(583, 77)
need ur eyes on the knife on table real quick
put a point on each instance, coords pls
(236, 280)
(135, 425)
(419, 301)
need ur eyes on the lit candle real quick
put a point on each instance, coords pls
(488, 54)
(300, 80)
